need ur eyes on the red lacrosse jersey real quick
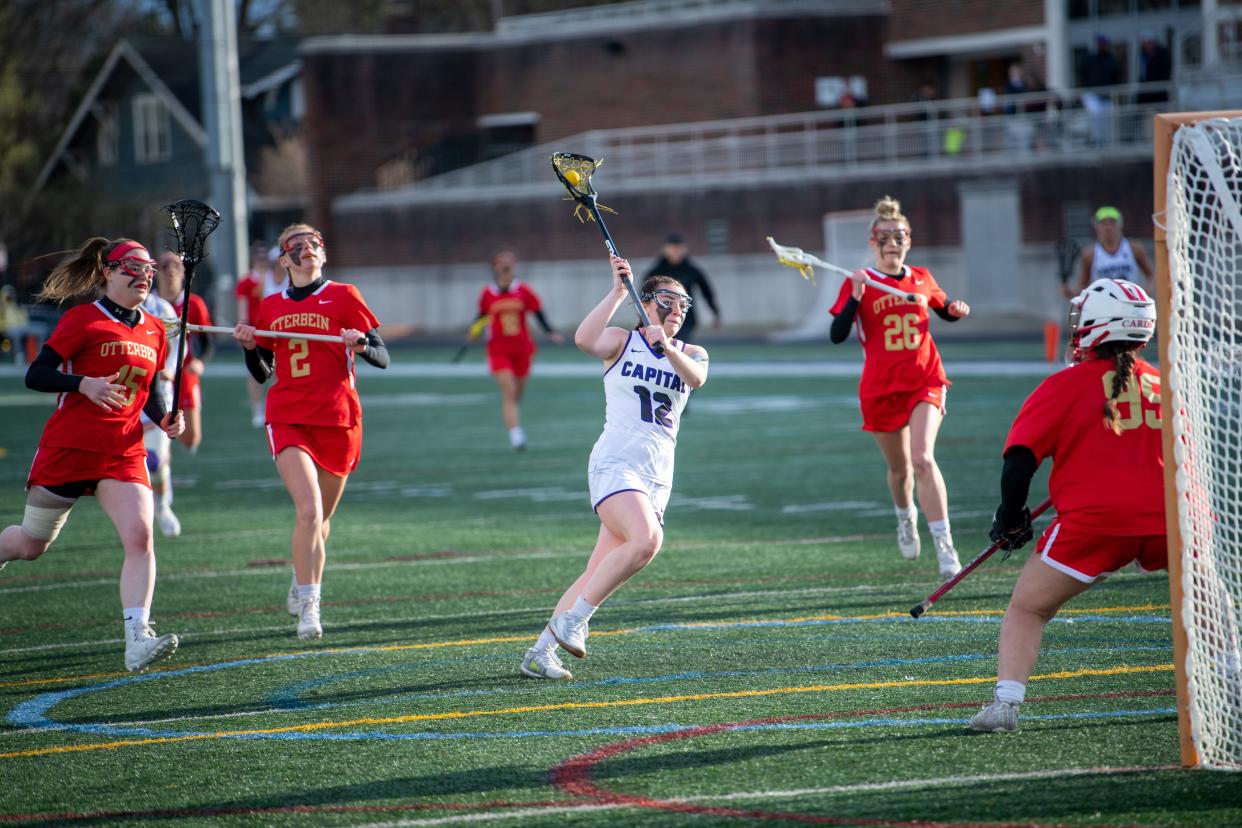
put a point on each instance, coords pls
(93, 343)
(898, 351)
(314, 380)
(250, 290)
(199, 315)
(508, 312)
(1101, 482)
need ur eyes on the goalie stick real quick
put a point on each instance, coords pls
(926, 603)
(805, 263)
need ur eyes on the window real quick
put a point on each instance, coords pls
(152, 130)
(717, 232)
(108, 135)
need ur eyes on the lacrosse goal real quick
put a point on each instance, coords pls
(1198, 202)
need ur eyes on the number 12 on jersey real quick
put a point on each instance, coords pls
(658, 414)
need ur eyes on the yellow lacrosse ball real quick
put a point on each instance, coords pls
(572, 177)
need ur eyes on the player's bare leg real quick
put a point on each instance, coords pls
(132, 511)
(16, 545)
(301, 478)
(1038, 594)
(895, 447)
(511, 388)
(924, 426)
(193, 434)
(255, 392)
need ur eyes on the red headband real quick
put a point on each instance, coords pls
(121, 249)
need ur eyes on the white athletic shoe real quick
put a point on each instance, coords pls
(309, 627)
(946, 556)
(293, 604)
(3, 564)
(544, 664)
(143, 647)
(570, 631)
(997, 717)
(170, 527)
(908, 537)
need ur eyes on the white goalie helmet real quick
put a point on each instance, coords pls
(1109, 310)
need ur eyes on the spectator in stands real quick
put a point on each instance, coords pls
(1101, 68)
(1155, 66)
(675, 262)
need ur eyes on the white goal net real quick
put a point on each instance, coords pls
(1204, 229)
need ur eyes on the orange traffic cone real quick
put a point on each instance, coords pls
(1052, 341)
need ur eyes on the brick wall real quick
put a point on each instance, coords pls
(918, 19)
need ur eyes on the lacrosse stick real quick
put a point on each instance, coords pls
(805, 264)
(970, 567)
(192, 222)
(574, 171)
(1067, 256)
(173, 329)
(472, 333)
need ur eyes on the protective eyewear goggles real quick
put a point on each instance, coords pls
(668, 299)
(134, 266)
(883, 237)
(301, 241)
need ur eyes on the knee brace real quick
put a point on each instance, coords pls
(45, 514)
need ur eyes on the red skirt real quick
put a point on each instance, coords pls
(335, 449)
(55, 466)
(891, 412)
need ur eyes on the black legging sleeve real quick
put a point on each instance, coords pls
(843, 321)
(44, 374)
(259, 363)
(376, 351)
(944, 314)
(543, 321)
(154, 407)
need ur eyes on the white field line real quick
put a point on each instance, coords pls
(591, 368)
(721, 597)
(864, 787)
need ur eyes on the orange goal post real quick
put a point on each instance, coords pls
(1198, 237)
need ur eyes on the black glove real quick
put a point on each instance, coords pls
(1015, 536)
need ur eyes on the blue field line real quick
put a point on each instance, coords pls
(33, 714)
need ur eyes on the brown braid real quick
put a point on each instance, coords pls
(81, 275)
(1123, 355)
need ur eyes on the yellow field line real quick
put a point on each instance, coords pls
(597, 705)
(511, 639)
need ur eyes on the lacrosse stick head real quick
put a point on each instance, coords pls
(192, 222)
(574, 171)
(794, 257)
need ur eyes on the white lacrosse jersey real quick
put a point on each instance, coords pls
(643, 401)
(1119, 265)
(157, 307)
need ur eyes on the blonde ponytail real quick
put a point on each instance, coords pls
(888, 209)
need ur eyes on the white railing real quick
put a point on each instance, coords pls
(591, 17)
(1023, 129)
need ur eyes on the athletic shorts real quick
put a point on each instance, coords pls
(191, 392)
(891, 412)
(1087, 557)
(606, 482)
(54, 466)
(335, 449)
(517, 362)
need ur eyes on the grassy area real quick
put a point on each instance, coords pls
(763, 668)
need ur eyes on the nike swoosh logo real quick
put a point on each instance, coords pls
(150, 333)
(918, 281)
(325, 301)
(636, 350)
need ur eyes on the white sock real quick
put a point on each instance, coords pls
(582, 609)
(939, 528)
(516, 436)
(137, 616)
(906, 511)
(1011, 691)
(546, 641)
(308, 591)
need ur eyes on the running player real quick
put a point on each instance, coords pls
(903, 385)
(110, 352)
(631, 467)
(1107, 482)
(159, 447)
(509, 344)
(260, 281)
(1112, 256)
(314, 418)
(198, 347)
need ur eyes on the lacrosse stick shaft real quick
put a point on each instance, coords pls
(629, 284)
(922, 607)
(181, 346)
(815, 261)
(461, 352)
(272, 334)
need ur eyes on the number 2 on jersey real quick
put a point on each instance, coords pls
(299, 350)
(660, 413)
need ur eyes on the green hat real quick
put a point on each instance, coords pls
(1106, 213)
